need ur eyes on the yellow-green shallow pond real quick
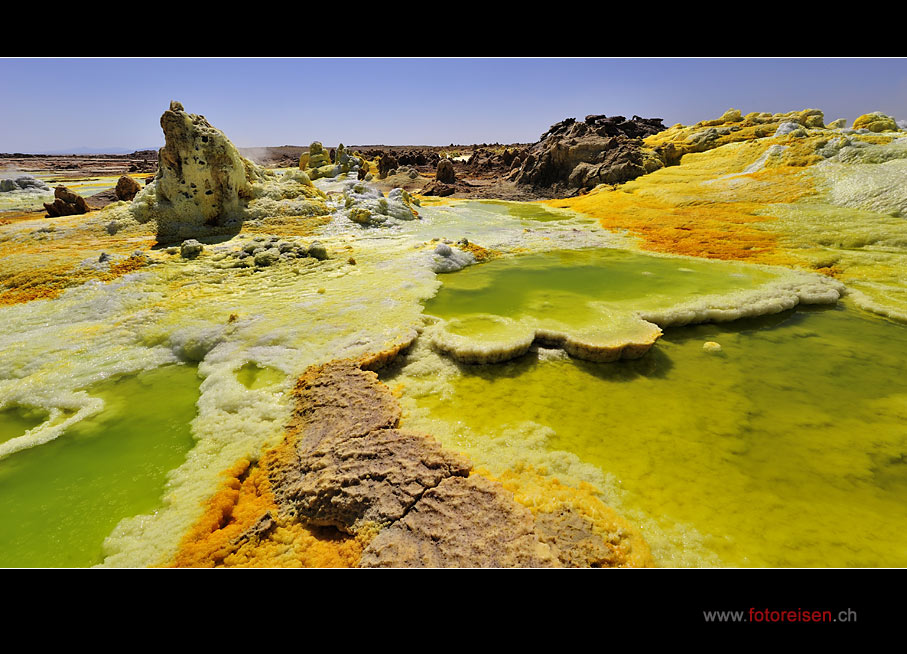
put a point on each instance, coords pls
(60, 500)
(559, 285)
(787, 448)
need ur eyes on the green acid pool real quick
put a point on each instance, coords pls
(523, 210)
(17, 420)
(60, 500)
(786, 448)
(565, 285)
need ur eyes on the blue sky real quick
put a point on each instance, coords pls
(60, 104)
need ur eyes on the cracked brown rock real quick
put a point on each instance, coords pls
(573, 541)
(372, 479)
(337, 401)
(464, 522)
(351, 467)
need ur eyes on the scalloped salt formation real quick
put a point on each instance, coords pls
(790, 434)
(497, 312)
(483, 338)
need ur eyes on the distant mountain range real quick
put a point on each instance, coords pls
(88, 150)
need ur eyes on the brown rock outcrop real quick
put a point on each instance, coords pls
(351, 467)
(463, 523)
(126, 188)
(445, 172)
(600, 150)
(438, 189)
(386, 163)
(501, 162)
(66, 203)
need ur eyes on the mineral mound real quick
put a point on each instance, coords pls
(204, 187)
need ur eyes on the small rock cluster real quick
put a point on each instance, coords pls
(504, 161)
(317, 163)
(261, 252)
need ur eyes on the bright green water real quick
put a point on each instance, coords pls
(60, 500)
(789, 448)
(255, 377)
(15, 421)
(523, 211)
(560, 285)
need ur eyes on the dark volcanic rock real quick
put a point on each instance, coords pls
(127, 188)
(600, 150)
(438, 189)
(484, 161)
(66, 203)
(102, 199)
(386, 163)
(445, 172)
